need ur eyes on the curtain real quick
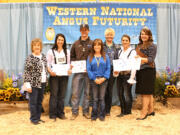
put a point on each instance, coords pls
(20, 23)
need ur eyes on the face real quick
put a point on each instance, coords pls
(84, 32)
(60, 41)
(125, 42)
(97, 47)
(144, 36)
(37, 48)
(109, 37)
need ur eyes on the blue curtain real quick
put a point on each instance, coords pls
(20, 23)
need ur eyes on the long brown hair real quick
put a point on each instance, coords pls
(103, 54)
(148, 32)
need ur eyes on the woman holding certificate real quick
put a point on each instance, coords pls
(35, 78)
(125, 78)
(98, 68)
(58, 59)
(146, 51)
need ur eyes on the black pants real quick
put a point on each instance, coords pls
(58, 86)
(124, 93)
(109, 91)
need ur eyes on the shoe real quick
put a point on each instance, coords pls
(102, 119)
(53, 118)
(73, 117)
(151, 114)
(143, 117)
(93, 119)
(62, 117)
(120, 115)
(42, 121)
(86, 115)
(35, 123)
(107, 114)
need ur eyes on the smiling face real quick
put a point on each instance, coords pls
(125, 40)
(109, 37)
(60, 42)
(144, 36)
(97, 46)
(36, 48)
(84, 33)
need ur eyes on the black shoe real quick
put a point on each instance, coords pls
(42, 121)
(143, 117)
(151, 114)
(102, 119)
(120, 115)
(93, 119)
(127, 113)
(62, 117)
(53, 118)
(35, 123)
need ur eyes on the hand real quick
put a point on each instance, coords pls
(52, 74)
(69, 72)
(97, 81)
(137, 56)
(102, 80)
(115, 73)
(71, 66)
(29, 90)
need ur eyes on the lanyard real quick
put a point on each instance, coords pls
(98, 60)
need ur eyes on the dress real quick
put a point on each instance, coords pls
(145, 77)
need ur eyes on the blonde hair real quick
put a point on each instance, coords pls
(109, 30)
(35, 41)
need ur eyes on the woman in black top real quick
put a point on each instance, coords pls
(145, 77)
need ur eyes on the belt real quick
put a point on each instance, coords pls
(124, 72)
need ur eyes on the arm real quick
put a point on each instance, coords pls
(152, 53)
(89, 70)
(27, 75)
(73, 53)
(69, 62)
(108, 68)
(50, 61)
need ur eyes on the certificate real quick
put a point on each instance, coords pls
(79, 66)
(61, 69)
(125, 65)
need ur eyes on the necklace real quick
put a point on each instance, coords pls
(98, 60)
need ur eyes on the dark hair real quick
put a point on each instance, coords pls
(127, 36)
(55, 47)
(148, 32)
(103, 54)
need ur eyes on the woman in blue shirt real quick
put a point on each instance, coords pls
(98, 68)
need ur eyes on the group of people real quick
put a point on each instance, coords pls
(98, 80)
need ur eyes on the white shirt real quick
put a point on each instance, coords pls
(124, 54)
(60, 57)
(43, 77)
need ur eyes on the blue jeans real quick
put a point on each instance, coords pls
(58, 86)
(80, 81)
(98, 99)
(124, 93)
(35, 102)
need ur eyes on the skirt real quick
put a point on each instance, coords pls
(145, 81)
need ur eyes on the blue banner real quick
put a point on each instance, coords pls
(123, 18)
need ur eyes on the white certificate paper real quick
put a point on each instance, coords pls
(79, 66)
(125, 65)
(61, 69)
